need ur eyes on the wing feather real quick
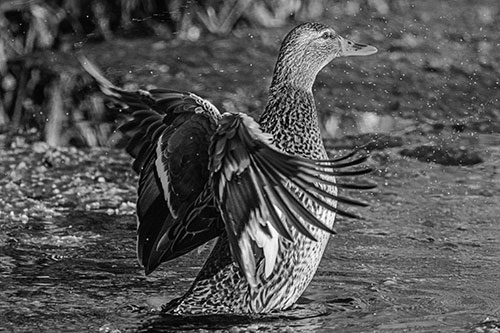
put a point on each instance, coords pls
(260, 191)
(169, 135)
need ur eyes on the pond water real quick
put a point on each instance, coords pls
(425, 256)
(341, 124)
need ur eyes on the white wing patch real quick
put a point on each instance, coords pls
(160, 171)
(260, 231)
(264, 236)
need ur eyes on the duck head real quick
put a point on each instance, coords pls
(307, 49)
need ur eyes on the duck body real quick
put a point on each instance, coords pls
(295, 130)
(267, 190)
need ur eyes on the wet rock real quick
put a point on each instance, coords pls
(443, 155)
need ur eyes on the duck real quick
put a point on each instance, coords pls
(266, 189)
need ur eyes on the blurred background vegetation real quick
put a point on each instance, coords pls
(45, 95)
(34, 91)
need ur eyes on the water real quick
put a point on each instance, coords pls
(341, 124)
(425, 256)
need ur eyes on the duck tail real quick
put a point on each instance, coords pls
(128, 100)
(108, 88)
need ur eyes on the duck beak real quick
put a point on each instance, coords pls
(349, 48)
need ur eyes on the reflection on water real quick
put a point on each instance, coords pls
(304, 317)
(344, 123)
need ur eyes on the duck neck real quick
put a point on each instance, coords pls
(290, 116)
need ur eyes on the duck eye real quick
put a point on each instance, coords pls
(327, 35)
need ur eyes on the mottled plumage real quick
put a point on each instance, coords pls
(266, 189)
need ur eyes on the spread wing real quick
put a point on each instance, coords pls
(201, 173)
(169, 134)
(251, 184)
(174, 207)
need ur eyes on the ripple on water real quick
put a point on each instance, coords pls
(304, 317)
